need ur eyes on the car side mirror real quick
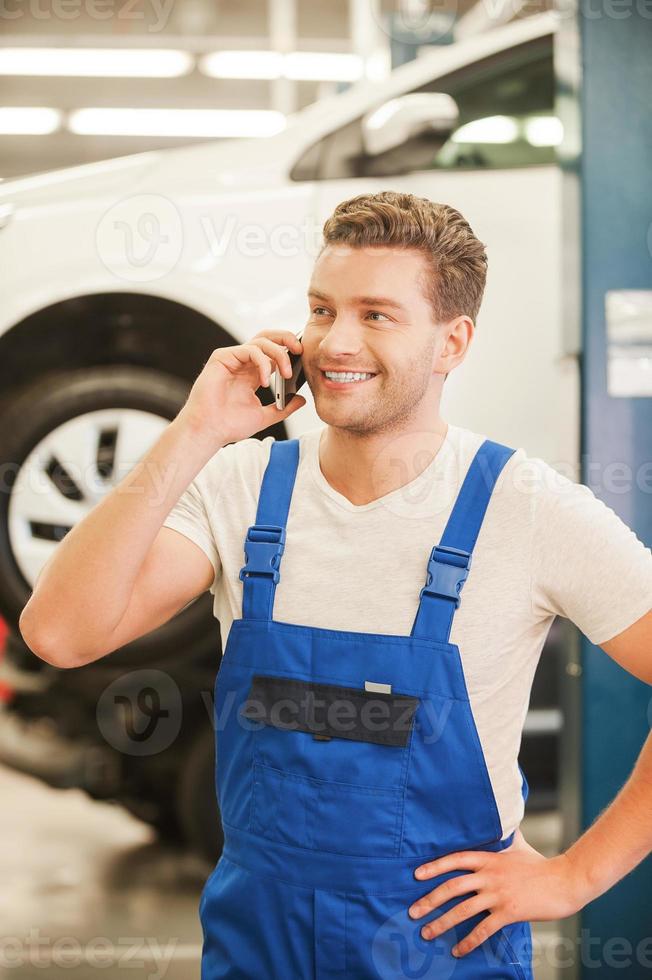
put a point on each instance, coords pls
(418, 114)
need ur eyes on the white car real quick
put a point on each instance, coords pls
(120, 277)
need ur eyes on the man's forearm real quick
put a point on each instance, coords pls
(85, 587)
(621, 837)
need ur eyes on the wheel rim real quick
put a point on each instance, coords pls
(69, 471)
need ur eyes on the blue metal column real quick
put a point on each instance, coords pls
(614, 60)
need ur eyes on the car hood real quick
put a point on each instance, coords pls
(227, 163)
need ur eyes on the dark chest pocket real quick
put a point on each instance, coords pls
(330, 764)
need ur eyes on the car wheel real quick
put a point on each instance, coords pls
(65, 441)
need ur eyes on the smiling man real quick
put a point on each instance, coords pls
(384, 586)
(393, 347)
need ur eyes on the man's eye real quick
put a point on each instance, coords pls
(322, 311)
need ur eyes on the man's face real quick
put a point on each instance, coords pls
(368, 313)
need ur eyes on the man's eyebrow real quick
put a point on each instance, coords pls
(362, 300)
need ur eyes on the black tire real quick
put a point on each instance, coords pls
(37, 410)
(198, 813)
(159, 815)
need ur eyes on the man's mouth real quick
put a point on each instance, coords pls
(345, 379)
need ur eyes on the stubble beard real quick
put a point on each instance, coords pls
(388, 409)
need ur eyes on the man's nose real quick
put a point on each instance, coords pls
(342, 337)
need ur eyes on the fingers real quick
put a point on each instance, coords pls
(464, 910)
(451, 888)
(275, 414)
(278, 353)
(266, 353)
(488, 927)
(235, 358)
(284, 337)
(471, 860)
(244, 356)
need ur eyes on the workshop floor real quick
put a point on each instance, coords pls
(87, 889)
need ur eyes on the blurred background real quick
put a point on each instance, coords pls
(166, 167)
(149, 75)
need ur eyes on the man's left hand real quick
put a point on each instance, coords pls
(514, 885)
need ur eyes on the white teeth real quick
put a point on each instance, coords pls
(346, 376)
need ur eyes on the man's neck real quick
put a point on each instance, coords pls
(365, 467)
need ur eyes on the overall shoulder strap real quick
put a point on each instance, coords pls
(450, 560)
(265, 540)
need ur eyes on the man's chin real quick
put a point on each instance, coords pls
(342, 417)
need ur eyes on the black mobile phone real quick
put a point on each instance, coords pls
(286, 388)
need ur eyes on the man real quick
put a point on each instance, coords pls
(382, 626)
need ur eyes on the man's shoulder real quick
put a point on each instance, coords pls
(257, 449)
(468, 442)
(245, 461)
(525, 475)
(235, 463)
(545, 487)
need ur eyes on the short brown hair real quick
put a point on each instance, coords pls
(456, 257)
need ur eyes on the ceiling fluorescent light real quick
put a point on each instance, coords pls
(28, 120)
(92, 121)
(320, 66)
(300, 66)
(97, 62)
(242, 64)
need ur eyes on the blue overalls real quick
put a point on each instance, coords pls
(332, 790)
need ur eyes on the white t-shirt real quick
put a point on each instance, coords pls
(547, 546)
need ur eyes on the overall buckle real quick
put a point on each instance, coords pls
(448, 569)
(263, 559)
